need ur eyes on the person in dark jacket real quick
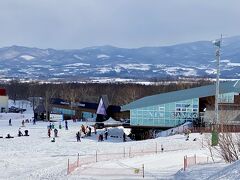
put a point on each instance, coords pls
(20, 132)
(124, 137)
(106, 133)
(66, 125)
(78, 135)
(10, 122)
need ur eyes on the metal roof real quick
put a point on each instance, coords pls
(203, 91)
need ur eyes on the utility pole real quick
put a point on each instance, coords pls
(218, 44)
(218, 51)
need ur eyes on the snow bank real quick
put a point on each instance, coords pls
(176, 130)
(231, 172)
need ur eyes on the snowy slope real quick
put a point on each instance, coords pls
(36, 157)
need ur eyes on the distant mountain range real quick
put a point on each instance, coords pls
(196, 59)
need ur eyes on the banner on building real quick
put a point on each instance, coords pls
(56, 117)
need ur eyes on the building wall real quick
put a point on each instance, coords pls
(3, 103)
(165, 115)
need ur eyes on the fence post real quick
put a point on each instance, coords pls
(156, 148)
(68, 167)
(124, 152)
(78, 160)
(184, 163)
(96, 155)
(202, 142)
(129, 151)
(143, 170)
(195, 159)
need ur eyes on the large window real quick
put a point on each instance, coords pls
(165, 115)
(63, 111)
(227, 97)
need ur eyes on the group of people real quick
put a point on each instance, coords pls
(23, 122)
(21, 134)
(87, 131)
(19, 130)
(51, 127)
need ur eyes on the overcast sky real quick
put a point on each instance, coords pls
(66, 24)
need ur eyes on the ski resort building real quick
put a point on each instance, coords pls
(3, 100)
(195, 105)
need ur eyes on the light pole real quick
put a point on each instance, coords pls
(217, 43)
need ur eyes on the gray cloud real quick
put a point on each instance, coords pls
(124, 23)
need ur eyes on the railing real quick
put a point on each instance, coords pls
(72, 166)
(124, 152)
(193, 160)
(219, 128)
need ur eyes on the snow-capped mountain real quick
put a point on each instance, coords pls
(188, 59)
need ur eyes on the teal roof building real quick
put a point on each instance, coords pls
(174, 108)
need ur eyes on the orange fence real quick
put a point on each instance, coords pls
(72, 166)
(193, 160)
(120, 153)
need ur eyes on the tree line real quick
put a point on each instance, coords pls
(118, 93)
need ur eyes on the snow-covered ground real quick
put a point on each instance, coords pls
(36, 157)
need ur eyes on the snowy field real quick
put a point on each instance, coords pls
(36, 157)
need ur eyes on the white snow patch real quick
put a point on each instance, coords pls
(77, 64)
(102, 56)
(120, 56)
(27, 57)
(142, 67)
(233, 64)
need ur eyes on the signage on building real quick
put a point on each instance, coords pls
(56, 117)
(184, 115)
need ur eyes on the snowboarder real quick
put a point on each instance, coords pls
(10, 122)
(53, 140)
(9, 136)
(55, 132)
(26, 133)
(78, 135)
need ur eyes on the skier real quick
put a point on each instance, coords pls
(83, 129)
(34, 121)
(66, 125)
(124, 137)
(10, 122)
(89, 131)
(95, 129)
(23, 123)
(106, 133)
(78, 136)
(49, 132)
